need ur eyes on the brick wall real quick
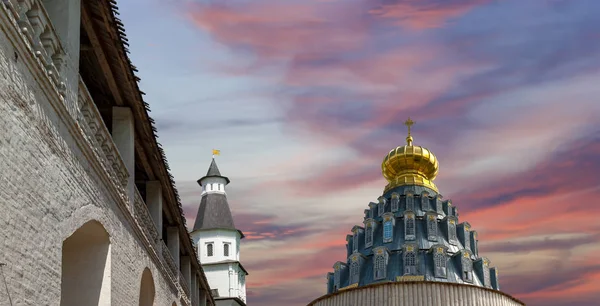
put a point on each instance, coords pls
(48, 189)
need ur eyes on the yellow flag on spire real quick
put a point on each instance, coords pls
(216, 152)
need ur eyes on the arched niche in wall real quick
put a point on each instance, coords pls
(147, 290)
(86, 261)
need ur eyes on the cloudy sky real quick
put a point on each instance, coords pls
(305, 97)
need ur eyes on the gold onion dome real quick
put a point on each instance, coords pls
(410, 165)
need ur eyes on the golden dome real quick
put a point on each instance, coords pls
(410, 165)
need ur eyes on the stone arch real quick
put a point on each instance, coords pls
(86, 266)
(147, 289)
(82, 216)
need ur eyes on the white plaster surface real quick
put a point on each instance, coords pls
(224, 276)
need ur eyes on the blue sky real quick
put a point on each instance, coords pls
(305, 98)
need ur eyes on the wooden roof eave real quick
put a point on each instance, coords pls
(127, 93)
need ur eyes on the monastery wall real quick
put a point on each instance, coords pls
(417, 294)
(51, 186)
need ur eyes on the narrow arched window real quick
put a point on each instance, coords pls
(410, 202)
(354, 272)
(388, 229)
(336, 279)
(381, 207)
(431, 228)
(395, 201)
(410, 263)
(209, 249)
(355, 241)
(452, 232)
(439, 260)
(486, 276)
(409, 227)
(368, 235)
(425, 202)
(226, 249)
(380, 267)
(467, 269)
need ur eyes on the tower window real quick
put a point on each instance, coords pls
(209, 249)
(355, 241)
(486, 276)
(380, 267)
(336, 278)
(467, 237)
(226, 249)
(439, 260)
(473, 243)
(381, 207)
(368, 235)
(354, 272)
(395, 200)
(388, 229)
(467, 267)
(409, 223)
(410, 263)
(452, 232)
(410, 202)
(425, 202)
(431, 228)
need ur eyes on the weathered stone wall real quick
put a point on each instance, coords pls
(417, 294)
(49, 188)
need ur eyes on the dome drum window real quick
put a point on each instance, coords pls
(372, 207)
(381, 206)
(425, 201)
(380, 261)
(395, 202)
(439, 207)
(452, 239)
(431, 227)
(369, 230)
(410, 260)
(409, 226)
(494, 278)
(388, 227)
(354, 272)
(482, 268)
(467, 267)
(440, 261)
(464, 235)
(355, 239)
(338, 269)
(410, 202)
(473, 239)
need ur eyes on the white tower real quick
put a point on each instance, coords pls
(218, 241)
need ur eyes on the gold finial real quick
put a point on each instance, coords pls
(408, 124)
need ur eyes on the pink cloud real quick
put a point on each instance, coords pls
(419, 14)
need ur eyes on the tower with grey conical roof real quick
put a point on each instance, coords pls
(218, 240)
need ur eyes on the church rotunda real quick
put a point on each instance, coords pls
(411, 248)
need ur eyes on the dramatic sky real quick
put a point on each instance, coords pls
(305, 97)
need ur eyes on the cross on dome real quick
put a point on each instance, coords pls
(408, 124)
